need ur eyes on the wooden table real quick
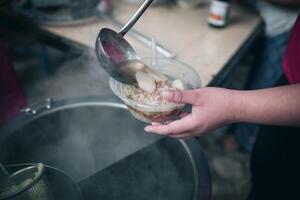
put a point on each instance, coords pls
(212, 52)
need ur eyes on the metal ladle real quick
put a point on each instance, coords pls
(116, 55)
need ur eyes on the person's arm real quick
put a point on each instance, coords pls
(215, 107)
(277, 106)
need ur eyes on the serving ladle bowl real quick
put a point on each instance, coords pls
(117, 56)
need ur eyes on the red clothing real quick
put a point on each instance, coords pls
(11, 95)
(291, 62)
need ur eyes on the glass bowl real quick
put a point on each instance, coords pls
(148, 113)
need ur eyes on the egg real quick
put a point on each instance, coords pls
(178, 84)
(145, 81)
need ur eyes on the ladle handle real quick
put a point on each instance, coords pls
(135, 17)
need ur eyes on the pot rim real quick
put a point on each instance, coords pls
(202, 178)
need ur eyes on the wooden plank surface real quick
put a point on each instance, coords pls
(183, 31)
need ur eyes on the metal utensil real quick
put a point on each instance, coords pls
(115, 53)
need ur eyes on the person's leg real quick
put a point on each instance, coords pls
(275, 161)
(266, 73)
(275, 164)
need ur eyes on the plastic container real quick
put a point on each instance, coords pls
(171, 68)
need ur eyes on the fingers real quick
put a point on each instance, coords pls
(183, 136)
(156, 123)
(161, 123)
(183, 114)
(178, 96)
(175, 127)
(180, 116)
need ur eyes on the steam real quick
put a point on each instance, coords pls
(80, 76)
(103, 148)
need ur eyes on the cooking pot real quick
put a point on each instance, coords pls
(106, 151)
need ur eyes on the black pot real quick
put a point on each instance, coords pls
(97, 142)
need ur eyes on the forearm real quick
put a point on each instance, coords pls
(277, 106)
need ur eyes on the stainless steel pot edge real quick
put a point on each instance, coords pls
(26, 117)
(202, 180)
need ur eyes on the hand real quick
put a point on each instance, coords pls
(211, 109)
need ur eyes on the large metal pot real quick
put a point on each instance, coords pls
(97, 142)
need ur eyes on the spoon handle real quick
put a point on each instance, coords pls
(135, 17)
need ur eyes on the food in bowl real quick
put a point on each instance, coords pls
(154, 98)
(150, 91)
(145, 100)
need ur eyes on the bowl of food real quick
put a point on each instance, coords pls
(145, 100)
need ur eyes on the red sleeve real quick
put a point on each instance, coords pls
(11, 95)
(291, 62)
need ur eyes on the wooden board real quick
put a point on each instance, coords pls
(183, 31)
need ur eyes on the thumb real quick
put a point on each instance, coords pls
(178, 96)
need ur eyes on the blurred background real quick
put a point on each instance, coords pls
(47, 51)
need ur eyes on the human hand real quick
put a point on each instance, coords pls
(211, 109)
